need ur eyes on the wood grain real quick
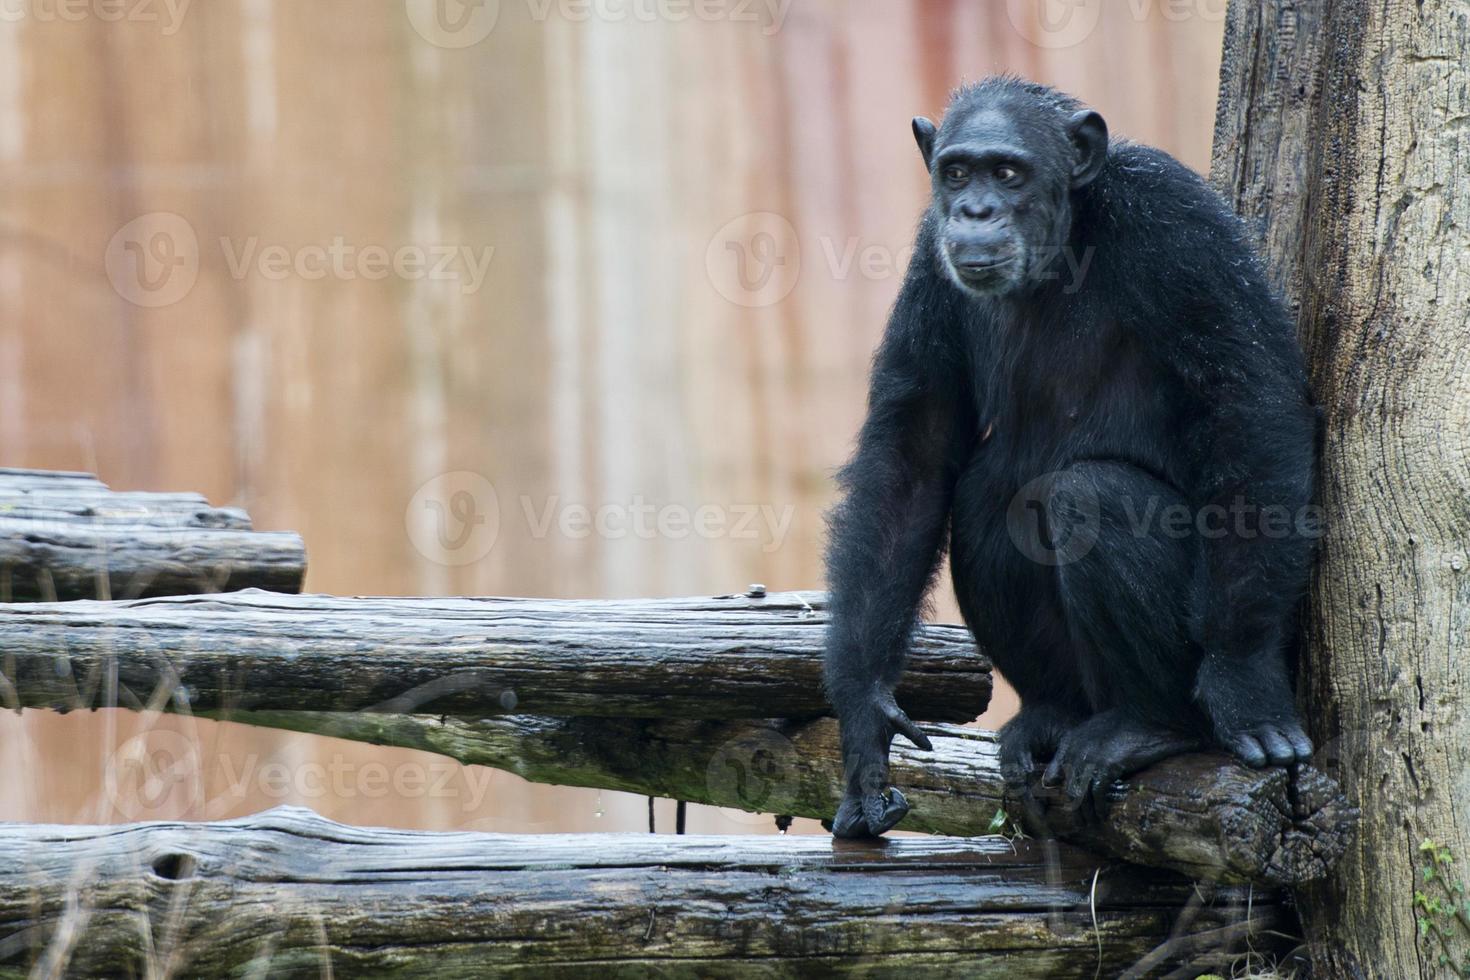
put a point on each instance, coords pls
(1202, 815)
(722, 657)
(67, 536)
(288, 893)
(1342, 135)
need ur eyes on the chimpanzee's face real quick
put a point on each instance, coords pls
(1002, 188)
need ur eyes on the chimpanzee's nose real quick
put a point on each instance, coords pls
(978, 210)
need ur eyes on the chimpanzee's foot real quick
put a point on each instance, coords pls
(1104, 749)
(1263, 743)
(1030, 739)
(1250, 704)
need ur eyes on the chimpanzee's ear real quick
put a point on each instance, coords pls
(924, 131)
(1090, 136)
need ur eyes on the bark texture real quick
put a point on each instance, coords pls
(67, 536)
(1201, 815)
(288, 893)
(723, 657)
(1344, 134)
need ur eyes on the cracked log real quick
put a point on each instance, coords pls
(289, 893)
(722, 657)
(67, 536)
(1202, 815)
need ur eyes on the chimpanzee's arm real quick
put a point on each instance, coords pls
(887, 537)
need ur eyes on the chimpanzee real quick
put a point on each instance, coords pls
(1090, 389)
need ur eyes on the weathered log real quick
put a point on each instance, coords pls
(289, 893)
(1203, 815)
(724, 657)
(67, 536)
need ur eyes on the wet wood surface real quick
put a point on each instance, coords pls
(288, 893)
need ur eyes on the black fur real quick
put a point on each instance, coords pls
(1084, 345)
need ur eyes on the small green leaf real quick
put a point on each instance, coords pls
(998, 822)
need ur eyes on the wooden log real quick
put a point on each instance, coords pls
(288, 893)
(723, 657)
(67, 536)
(1203, 815)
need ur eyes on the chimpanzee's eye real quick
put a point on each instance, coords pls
(955, 174)
(1006, 174)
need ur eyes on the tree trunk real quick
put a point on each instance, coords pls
(725, 657)
(288, 893)
(1202, 815)
(1342, 133)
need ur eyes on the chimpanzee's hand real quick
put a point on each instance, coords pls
(871, 806)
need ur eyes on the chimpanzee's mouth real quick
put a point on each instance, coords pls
(988, 273)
